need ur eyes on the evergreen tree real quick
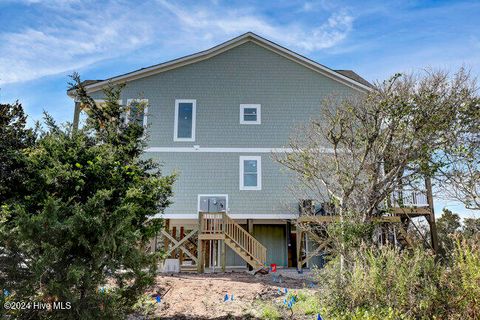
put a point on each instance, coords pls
(447, 225)
(85, 219)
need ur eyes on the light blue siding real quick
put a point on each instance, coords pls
(219, 173)
(289, 94)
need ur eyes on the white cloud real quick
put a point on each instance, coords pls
(75, 34)
(219, 22)
(68, 43)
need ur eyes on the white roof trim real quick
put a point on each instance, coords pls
(203, 55)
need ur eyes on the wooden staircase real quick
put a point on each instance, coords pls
(219, 226)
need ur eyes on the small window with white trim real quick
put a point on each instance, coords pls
(250, 173)
(137, 110)
(185, 117)
(250, 114)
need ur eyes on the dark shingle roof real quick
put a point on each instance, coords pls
(354, 76)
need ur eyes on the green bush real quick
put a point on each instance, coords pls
(383, 283)
(270, 312)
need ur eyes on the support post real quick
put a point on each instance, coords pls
(76, 115)
(182, 235)
(200, 249)
(250, 231)
(431, 217)
(223, 245)
(174, 235)
(165, 239)
(250, 226)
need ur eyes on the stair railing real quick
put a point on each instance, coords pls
(244, 240)
(221, 223)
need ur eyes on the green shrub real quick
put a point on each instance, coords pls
(270, 312)
(306, 303)
(383, 283)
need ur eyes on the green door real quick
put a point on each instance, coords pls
(273, 238)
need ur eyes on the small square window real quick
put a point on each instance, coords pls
(250, 114)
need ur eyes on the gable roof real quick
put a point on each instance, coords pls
(347, 77)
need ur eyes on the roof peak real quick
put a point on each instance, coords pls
(353, 82)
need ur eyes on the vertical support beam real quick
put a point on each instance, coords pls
(223, 245)
(431, 218)
(250, 226)
(165, 239)
(200, 249)
(250, 231)
(76, 115)
(182, 235)
(290, 252)
(174, 235)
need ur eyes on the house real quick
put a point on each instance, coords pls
(215, 117)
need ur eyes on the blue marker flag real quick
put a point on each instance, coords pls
(226, 298)
(6, 292)
(159, 299)
(319, 317)
(285, 290)
(231, 297)
(284, 301)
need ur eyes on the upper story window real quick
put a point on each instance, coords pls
(185, 117)
(250, 173)
(137, 110)
(250, 114)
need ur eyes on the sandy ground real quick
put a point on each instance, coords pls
(201, 296)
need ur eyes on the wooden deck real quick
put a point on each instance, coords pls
(403, 207)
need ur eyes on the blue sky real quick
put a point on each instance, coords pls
(42, 42)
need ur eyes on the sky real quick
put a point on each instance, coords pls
(42, 42)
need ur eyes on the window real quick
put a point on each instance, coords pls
(250, 114)
(185, 113)
(250, 173)
(137, 110)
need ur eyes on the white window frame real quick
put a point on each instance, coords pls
(213, 195)
(194, 119)
(145, 111)
(259, 113)
(259, 173)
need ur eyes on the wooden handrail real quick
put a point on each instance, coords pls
(245, 240)
(221, 223)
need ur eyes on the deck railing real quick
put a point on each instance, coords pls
(221, 223)
(409, 198)
(211, 223)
